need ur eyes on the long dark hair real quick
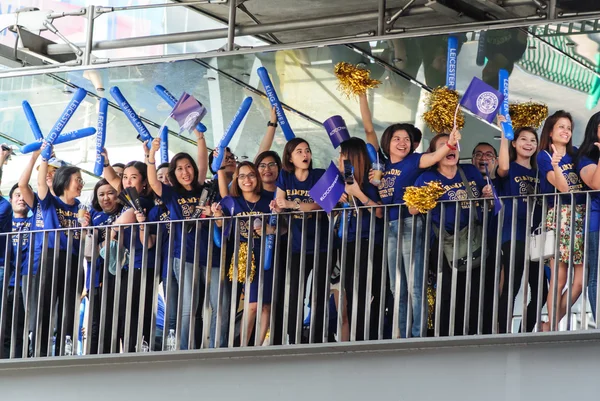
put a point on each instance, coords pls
(143, 170)
(512, 151)
(287, 154)
(386, 138)
(173, 166)
(355, 150)
(587, 148)
(235, 185)
(546, 140)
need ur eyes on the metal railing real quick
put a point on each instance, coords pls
(341, 291)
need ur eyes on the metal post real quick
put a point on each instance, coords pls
(552, 10)
(381, 18)
(231, 25)
(89, 35)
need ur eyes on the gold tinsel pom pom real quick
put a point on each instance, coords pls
(441, 105)
(527, 114)
(353, 81)
(242, 262)
(423, 198)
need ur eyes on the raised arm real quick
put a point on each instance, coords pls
(4, 155)
(503, 157)
(109, 173)
(222, 180)
(429, 159)
(26, 191)
(202, 156)
(267, 140)
(42, 186)
(151, 171)
(365, 114)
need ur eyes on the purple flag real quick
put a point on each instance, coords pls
(329, 189)
(336, 129)
(482, 100)
(188, 112)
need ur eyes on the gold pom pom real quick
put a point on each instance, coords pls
(441, 105)
(242, 262)
(423, 198)
(353, 81)
(527, 114)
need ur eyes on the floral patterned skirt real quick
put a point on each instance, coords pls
(565, 232)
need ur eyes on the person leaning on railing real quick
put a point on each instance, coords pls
(59, 211)
(182, 199)
(106, 208)
(293, 184)
(558, 175)
(20, 222)
(588, 166)
(447, 172)
(134, 176)
(250, 199)
(361, 193)
(402, 167)
(517, 177)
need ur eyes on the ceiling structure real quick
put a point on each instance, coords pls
(191, 48)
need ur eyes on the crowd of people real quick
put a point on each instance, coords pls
(192, 268)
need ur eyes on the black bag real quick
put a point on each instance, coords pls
(463, 236)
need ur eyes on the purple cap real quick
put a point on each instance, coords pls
(336, 129)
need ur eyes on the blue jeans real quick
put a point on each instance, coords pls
(171, 312)
(215, 276)
(405, 271)
(592, 251)
(186, 300)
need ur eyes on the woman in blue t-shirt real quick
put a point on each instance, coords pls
(448, 174)
(402, 167)
(59, 211)
(517, 177)
(182, 199)
(361, 193)
(588, 163)
(249, 199)
(293, 184)
(556, 163)
(106, 208)
(135, 176)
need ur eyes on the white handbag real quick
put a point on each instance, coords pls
(542, 247)
(542, 242)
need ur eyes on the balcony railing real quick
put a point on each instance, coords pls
(327, 286)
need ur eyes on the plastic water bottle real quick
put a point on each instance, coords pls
(171, 340)
(68, 346)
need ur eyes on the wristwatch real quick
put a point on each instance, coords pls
(270, 124)
(296, 204)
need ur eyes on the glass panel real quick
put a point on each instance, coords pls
(304, 80)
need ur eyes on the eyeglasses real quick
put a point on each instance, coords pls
(486, 155)
(263, 166)
(231, 158)
(80, 181)
(250, 176)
